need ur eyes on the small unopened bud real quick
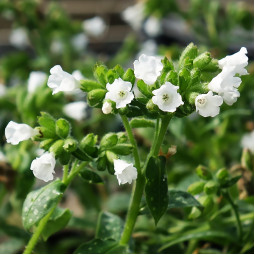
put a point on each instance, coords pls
(107, 108)
(62, 128)
(151, 106)
(211, 187)
(222, 175)
(57, 148)
(203, 173)
(70, 145)
(196, 187)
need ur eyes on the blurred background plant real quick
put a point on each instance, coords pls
(36, 35)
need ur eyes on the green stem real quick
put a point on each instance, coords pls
(235, 210)
(139, 185)
(65, 173)
(33, 241)
(133, 142)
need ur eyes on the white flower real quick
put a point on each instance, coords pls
(60, 80)
(148, 68)
(16, 133)
(107, 108)
(35, 80)
(80, 41)
(2, 90)
(78, 75)
(248, 141)
(43, 167)
(19, 38)
(238, 61)
(76, 110)
(167, 98)
(134, 15)
(208, 105)
(94, 26)
(225, 84)
(120, 92)
(57, 46)
(124, 171)
(152, 26)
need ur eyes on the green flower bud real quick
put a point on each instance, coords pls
(129, 76)
(122, 137)
(100, 72)
(70, 145)
(96, 97)
(111, 156)
(207, 203)
(108, 141)
(88, 144)
(192, 97)
(202, 60)
(46, 144)
(222, 175)
(212, 66)
(152, 107)
(119, 70)
(190, 52)
(62, 128)
(64, 157)
(44, 133)
(112, 75)
(203, 173)
(57, 148)
(124, 110)
(101, 163)
(247, 159)
(46, 120)
(211, 187)
(122, 149)
(196, 187)
(195, 213)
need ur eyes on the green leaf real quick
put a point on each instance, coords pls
(144, 88)
(230, 182)
(208, 235)
(57, 221)
(129, 76)
(109, 226)
(202, 60)
(89, 85)
(156, 187)
(90, 176)
(100, 74)
(122, 149)
(181, 199)
(38, 203)
(112, 75)
(96, 97)
(142, 123)
(46, 120)
(190, 52)
(97, 246)
(62, 128)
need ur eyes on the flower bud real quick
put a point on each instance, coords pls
(57, 148)
(107, 108)
(70, 145)
(111, 156)
(247, 159)
(108, 141)
(129, 76)
(101, 163)
(212, 66)
(151, 106)
(195, 213)
(190, 52)
(88, 144)
(196, 187)
(46, 144)
(202, 60)
(124, 110)
(122, 138)
(207, 203)
(203, 173)
(44, 133)
(192, 97)
(95, 97)
(112, 75)
(100, 74)
(211, 187)
(62, 128)
(222, 175)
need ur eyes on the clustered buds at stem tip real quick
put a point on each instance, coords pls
(124, 171)
(15, 132)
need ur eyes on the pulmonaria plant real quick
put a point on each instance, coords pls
(166, 90)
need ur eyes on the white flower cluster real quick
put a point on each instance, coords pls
(225, 84)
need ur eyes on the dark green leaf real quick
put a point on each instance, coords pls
(57, 221)
(38, 203)
(181, 199)
(156, 187)
(122, 149)
(109, 226)
(90, 176)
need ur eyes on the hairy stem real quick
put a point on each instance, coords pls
(139, 185)
(235, 210)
